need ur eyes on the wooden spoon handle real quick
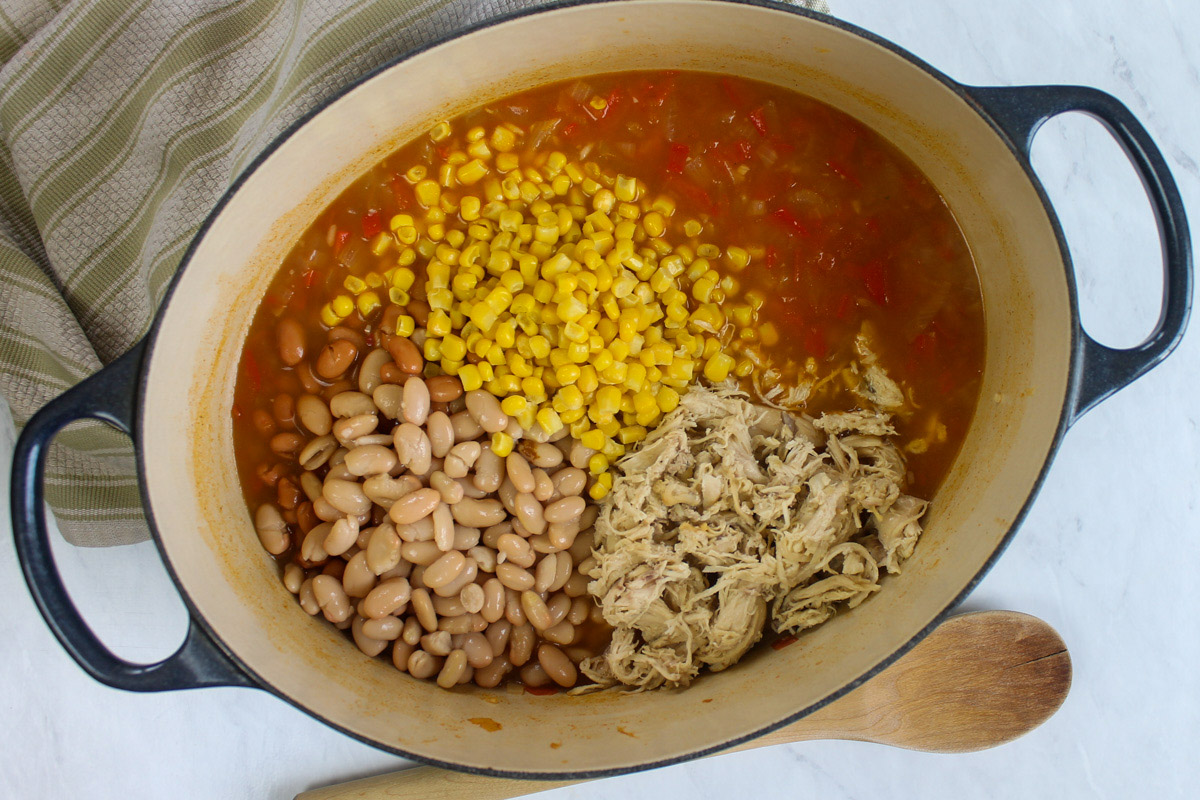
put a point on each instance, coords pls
(978, 681)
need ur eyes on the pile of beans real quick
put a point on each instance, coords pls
(397, 520)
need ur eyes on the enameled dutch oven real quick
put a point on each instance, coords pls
(173, 392)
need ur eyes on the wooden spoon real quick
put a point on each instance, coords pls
(977, 681)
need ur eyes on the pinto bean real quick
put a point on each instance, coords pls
(406, 355)
(358, 579)
(371, 459)
(383, 549)
(331, 597)
(335, 358)
(369, 372)
(386, 598)
(556, 665)
(415, 506)
(444, 388)
(272, 530)
(440, 431)
(415, 406)
(514, 577)
(388, 398)
(489, 471)
(351, 404)
(351, 428)
(477, 513)
(466, 429)
(346, 496)
(289, 336)
(566, 509)
(286, 444)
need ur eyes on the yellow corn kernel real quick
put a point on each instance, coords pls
(654, 224)
(597, 463)
(744, 368)
(769, 334)
(549, 420)
(681, 370)
(405, 325)
(432, 349)
(440, 132)
(647, 418)
(718, 366)
(343, 306)
(567, 374)
(742, 315)
(368, 303)
(644, 400)
(613, 450)
(540, 346)
(609, 427)
(513, 405)
(608, 398)
(588, 381)
(453, 347)
(427, 192)
(329, 317)
(438, 324)
(692, 227)
(702, 290)
(569, 398)
(603, 485)
(631, 434)
(578, 352)
(506, 384)
(533, 387)
(502, 444)
(354, 284)
(470, 377)
(593, 440)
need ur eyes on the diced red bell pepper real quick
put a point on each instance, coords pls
(339, 241)
(541, 691)
(816, 344)
(733, 92)
(310, 278)
(844, 306)
(772, 258)
(783, 642)
(401, 192)
(569, 129)
(759, 121)
(371, 223)
(843, 171)
(875, 281)
(677, 155)
(789, 221)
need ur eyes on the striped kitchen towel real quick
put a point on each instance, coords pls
(121, 123)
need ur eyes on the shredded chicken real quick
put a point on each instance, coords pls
(732, 516)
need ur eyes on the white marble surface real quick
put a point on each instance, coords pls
(1107, 554)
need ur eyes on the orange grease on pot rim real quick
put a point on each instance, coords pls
(487, 723)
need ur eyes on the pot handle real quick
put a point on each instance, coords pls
(109, 396)
(1100, 370)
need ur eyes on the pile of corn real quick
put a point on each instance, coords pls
(551, 285)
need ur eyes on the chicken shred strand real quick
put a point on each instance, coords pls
(734, 516)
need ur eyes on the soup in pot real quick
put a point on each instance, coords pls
(453, 391)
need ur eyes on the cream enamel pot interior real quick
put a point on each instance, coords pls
(173, 392)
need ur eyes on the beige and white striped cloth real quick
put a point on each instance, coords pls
(121, 123)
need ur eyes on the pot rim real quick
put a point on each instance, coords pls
(1064, 420)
